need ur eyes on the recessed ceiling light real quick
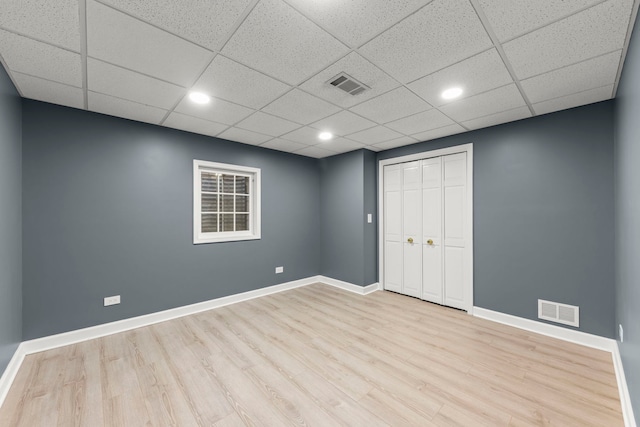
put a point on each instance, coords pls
(199, 97)
(451, 93)
(325, 136)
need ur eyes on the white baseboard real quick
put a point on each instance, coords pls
(360, 290)
(625, 398)
(79, 335)
(10, 372)
(577, 337)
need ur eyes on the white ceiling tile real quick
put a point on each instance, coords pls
(316, 152)
(360, 69)
(593, 73)
(106, 104)
(439, 133)
(55, 22)
(393, 105)
(477, 74)
(194, 124)
(122, 40)
(207, 23)
(598, 30)
(267, 124)
(373, 16)
(217, 110)
(48, 91)
(234, 82)
(343, 123)
(438, 35)
(39, 59)
(304, 135)
(283, 145)
(300, 107)
(497, 100)
(340, 145)
(420, 122)
(121, 83)
(499, 118)
(398, 142)
(375, 135)
(510, 18)
(246, 136)
(575, 100)
(279, 41)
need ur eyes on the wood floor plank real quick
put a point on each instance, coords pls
(317, 355)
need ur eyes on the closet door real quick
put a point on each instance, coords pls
(412, 229)
(454, 241)
(393, 228)
(432, 285)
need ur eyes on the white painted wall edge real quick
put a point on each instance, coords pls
(577, 337)
(72, 337)
(625, 398)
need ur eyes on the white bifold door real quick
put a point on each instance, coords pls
(425, 230)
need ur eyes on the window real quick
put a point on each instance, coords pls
(226, 202)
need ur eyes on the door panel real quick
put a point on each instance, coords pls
(455, 169)
(454, 218)
(393, 228)
(393, 266)
(393, 215)
(431, 215)
(412, 271)
(432, 200)
(432, 273)
(455, 233)
(412, 215)
(411, 202)
(454, 295)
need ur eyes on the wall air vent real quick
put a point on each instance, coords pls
(559, 313)
(348, 84)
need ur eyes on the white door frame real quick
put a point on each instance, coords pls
(465, 148)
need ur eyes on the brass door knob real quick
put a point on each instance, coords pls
(410, 240)
(429, 242)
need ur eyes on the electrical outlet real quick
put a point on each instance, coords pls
(621, 332)
(279, 270)
(369, 218)
(112, 300)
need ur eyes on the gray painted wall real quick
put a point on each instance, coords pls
(10, 220)
(347, 194)
(108, 210)
(370, 207)
(627, 175)
(341, 204)
(543, 213)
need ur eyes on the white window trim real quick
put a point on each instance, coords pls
(254, 232)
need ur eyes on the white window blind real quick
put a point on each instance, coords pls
(226, 202)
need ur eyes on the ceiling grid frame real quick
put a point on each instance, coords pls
(352, 48)
(498, 45)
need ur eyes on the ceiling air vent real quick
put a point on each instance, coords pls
(348, 84)
(559, 313)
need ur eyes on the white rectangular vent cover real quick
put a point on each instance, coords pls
(348, 84)
(559, 313)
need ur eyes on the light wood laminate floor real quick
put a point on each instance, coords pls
(318, 355)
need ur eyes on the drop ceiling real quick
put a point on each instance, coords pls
(266, 64)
